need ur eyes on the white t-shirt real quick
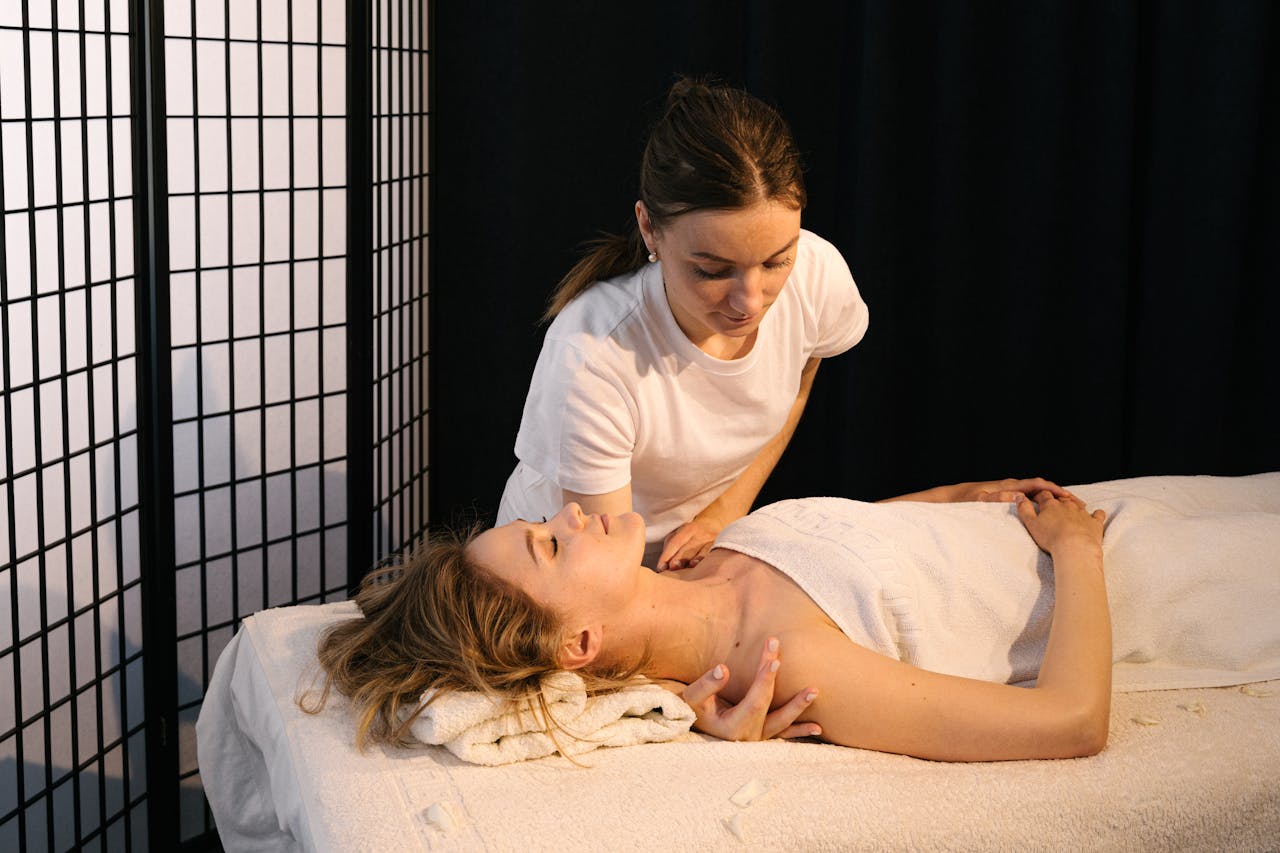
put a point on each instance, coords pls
(620, 394)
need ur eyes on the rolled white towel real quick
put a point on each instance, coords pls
(484, 730)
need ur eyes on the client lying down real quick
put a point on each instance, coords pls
(957, 632)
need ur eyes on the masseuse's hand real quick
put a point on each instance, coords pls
(1056, 523)
(750, 719)
(685, 546)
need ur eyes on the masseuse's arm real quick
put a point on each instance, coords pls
(871, 701)
(691, 541)
(1005, 490)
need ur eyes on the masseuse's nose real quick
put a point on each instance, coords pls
(747, 296)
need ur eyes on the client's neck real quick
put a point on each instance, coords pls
(687, 621)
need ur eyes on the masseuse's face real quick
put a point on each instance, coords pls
(723, 269)
(577, 565)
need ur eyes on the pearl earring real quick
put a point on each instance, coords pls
(653, 257)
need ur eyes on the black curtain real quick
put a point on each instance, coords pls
(1064, 216)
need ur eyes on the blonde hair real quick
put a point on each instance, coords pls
(442, 623)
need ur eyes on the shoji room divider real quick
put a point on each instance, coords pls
(213, 317)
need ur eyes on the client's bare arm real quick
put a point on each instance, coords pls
(1004, 490)
(871, 701)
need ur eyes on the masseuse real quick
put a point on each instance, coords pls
(681, 355)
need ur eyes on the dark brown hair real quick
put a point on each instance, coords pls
(715, 148)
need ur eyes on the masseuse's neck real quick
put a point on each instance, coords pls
(688, 625)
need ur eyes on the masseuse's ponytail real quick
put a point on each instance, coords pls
(715, 147)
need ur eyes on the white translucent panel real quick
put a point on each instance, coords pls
(18, 253)
(44, 159)
(275, 153)
(211, 83)
(277, 362)
(186, 529)
(244, 79)
(73, 245)
(275, 21)
(248, 460)
(307, 483)
(247, 357)
(244, 299)
(10, 16)
(246, 229)
(306, 224)
(100, 249)
(72, 162)
(335, 492)
(213, 306)
(306, 81)
(69, 14)
(128, 449)
(99, 165)
(182, 233)
(186, 456)
(22, 430)
(40, 74)
(50, 425)
(77, 330)
(184, 382)
(275, 79)
(126, 341)
(335, 426)
(13, 74)
(124, 238)
(46, 250)
(182, 309)
(334, 162)
(54, 503)
(335, 222)
(335, 291)
(275, 299)
(177, 77)
(177, 17)
(305, 26)
(333, 22)
(182, 155)
(217, 535)
(306, 152)
(217, 450)
(78, 421)
(213, 231)
(95, 16)
(243, 23)
(278, 440)
(306, 294)
(80, 491)
(69, 75)
(106, 577)
(19, 343)
(119, 18)
(24, 518)
(122, 145)
(335, 360)
(187, 595)
(210, 20)
(333, 80)
(95, 74)
(213, 155)
(13, 148)
(120, 104)
(244, 154)
(275, 221)
(215, 378)
(49, 317)
(104, 403)
(306, 364)
(100, 310)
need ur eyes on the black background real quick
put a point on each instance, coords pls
(1064, 217)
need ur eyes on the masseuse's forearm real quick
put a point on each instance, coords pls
(1076, 668)
(735, 501)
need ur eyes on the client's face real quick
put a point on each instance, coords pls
(572, 563)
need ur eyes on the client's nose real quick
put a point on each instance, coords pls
(573, 516)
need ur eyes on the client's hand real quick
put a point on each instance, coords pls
(1008, 489)
(687, 544)
(1055, 522)
(750, 719)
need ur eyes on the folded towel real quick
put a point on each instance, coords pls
(484, 730)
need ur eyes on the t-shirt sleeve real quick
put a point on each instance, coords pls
(842, 317)
(578, 428)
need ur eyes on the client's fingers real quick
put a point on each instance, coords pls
(707, 687)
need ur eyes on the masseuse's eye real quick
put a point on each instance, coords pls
(777, 265)
(710, 275)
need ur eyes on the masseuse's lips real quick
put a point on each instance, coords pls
(741, 321)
